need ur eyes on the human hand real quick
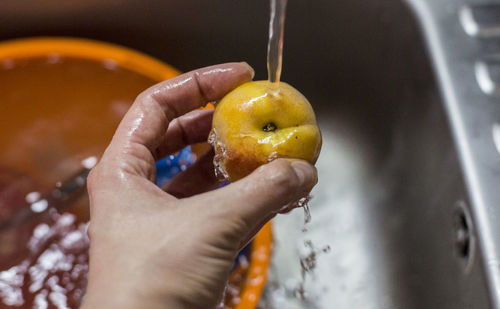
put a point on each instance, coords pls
(174, 247)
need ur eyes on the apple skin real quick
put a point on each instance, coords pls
(253, 124)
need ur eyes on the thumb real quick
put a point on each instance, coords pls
(264, 192)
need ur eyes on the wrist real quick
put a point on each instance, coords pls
(106, 298)
(123, 293)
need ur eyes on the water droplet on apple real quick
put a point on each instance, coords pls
(220, 170)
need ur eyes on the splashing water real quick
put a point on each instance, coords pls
(220, 152)
(307, 265)
(304, 203)
(274, 66)
(307, 260)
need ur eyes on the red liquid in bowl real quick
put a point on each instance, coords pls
(55, 112)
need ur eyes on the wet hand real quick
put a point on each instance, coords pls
(174, 247)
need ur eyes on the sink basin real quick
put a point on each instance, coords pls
(392, 200)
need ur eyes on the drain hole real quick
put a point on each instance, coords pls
(462, 236)
(462, 228)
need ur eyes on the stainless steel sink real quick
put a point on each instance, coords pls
(410, 224)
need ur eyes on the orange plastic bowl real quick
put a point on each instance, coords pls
(78, 141)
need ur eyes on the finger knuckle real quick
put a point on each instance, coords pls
(92, 179)
(282, 175)
(90, 231)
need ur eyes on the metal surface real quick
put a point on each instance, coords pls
(392, 199)
(469, 82)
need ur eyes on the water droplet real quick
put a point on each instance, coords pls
(110, 64)
(8, 64)
(304, 203)
(32, 197)
(89, 162)
(39, 206)
(54, 58)
(308, 263)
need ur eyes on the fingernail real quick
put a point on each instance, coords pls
(306, 173)
(249, 68)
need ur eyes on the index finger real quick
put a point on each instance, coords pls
(147, 120)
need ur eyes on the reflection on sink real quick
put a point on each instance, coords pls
(390, 184)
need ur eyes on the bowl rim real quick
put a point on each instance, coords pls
(158, 71)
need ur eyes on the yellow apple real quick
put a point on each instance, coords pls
(253, 124)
